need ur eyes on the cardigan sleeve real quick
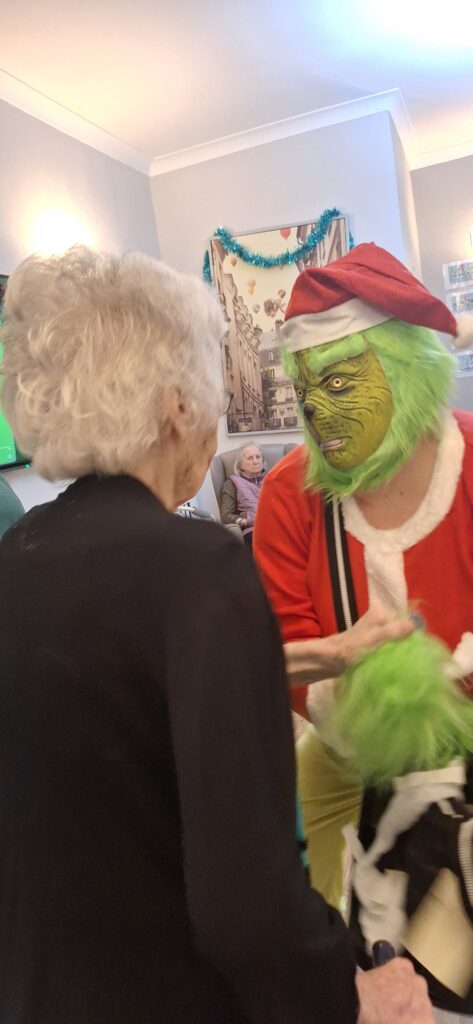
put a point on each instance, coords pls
(230, 512)
(283, 949)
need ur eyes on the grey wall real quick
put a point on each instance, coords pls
(42, 169)
(407, 211)
(443, 196)
(348, 165)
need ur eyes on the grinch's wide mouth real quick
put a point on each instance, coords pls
(333, 442)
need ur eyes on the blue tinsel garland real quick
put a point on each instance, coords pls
(256, 259)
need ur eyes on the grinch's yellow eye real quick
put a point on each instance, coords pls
(336, 383)
(300, 392)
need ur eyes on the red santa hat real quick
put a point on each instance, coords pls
(363, 289)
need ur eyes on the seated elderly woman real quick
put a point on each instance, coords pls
(241, 491)
(150, 873)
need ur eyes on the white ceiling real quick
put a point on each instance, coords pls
(156, 77)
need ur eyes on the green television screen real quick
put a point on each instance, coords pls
(10, 454)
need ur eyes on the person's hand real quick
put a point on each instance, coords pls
(309, 661)
(241, 522)
(393, 994)
(375, 628)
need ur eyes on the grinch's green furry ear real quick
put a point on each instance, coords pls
(398, 712)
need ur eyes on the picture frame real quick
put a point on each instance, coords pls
(458, 274)
(460, 302)
(464, 364)
(254, 300)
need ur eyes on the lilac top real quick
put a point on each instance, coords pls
(247, 494)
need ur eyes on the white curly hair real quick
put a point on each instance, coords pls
(92, 344)
(241, 454)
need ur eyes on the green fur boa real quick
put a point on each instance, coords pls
(398, 712)
(419, 372)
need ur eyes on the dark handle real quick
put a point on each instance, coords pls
(383, 952)
(418, 620)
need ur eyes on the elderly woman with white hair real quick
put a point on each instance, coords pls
(240, 493)
(149, 870)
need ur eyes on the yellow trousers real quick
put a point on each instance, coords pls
(330, 799)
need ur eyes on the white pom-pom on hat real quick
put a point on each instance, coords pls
(464, 333)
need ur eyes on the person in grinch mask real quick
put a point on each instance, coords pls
(373, 382)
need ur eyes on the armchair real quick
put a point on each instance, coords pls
(221, 468)
(189, 511)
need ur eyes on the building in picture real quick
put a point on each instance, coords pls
(278, 393)
(240, 357)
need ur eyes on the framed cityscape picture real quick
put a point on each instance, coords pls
(254, 301)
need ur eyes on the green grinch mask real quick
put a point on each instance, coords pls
(347, 405)
(382, 390)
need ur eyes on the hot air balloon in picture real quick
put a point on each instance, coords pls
(271, 307)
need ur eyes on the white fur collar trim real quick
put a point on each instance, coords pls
(432, 510)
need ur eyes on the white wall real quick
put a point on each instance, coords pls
(42, 171)
(407, 211)
(347, 165)
(352, 166)
(443, 197)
